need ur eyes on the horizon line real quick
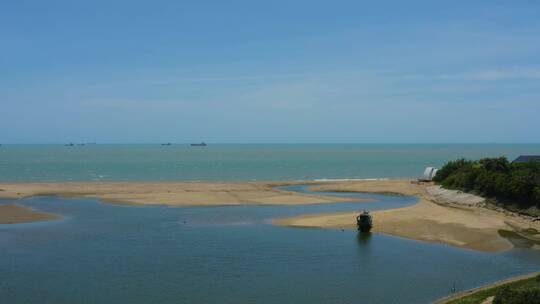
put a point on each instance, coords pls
(275, 143)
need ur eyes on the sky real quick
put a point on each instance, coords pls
(270, 71)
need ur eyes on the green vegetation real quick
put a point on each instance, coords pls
(530, 231)
(515, 185)
(517, 296)
(525, 291)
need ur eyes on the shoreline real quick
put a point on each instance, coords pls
(472, 291)
(468, 227)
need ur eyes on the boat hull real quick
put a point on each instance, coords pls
(364, 222)
(365, 228)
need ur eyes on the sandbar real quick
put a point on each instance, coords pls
(15, 214)
(174, 194)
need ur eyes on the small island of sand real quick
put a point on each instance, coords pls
(15, 214)
(173, 194)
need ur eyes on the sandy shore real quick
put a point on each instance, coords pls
(464, 227)
(14, 214)
(170, 194)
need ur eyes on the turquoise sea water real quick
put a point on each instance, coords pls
(102, 253)
(229, 162)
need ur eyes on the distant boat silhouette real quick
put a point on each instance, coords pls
(167, 144)
(69, 145)
(202, 144)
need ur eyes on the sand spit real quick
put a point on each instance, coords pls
(459, 225)
(171, 194)
(14, 214)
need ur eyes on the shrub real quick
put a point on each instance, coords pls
(449, 169)
(536, 196)
(517, 296)
(500, 164)
(495, 178)
(491, 183)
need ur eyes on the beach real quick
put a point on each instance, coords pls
(431, 221)
(458, 226)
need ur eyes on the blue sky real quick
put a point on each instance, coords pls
(269, 71)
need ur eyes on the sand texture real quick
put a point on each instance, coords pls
(14, 214)
(170, 194)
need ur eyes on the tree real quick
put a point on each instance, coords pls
(495, 178)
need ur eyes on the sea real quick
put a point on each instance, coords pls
(236, 162)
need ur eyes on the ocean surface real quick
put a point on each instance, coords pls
(101, 253)
(235, 162)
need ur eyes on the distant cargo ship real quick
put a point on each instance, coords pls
(202, 144)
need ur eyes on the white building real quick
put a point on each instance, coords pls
(429, 173)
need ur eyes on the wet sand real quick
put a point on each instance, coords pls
(14, 214)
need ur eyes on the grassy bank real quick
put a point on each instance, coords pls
(520, 284)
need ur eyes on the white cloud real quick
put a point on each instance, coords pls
(129, 104)
(494, 74)
(532, 73)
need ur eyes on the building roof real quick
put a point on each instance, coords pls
(527, 159)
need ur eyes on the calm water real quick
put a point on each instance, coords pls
(102, 253)
(234, 162)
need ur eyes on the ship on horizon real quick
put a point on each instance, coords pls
(202, 144)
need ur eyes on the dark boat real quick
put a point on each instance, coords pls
(69, 145)
(167, 144)
(202, 144)
(364, 222)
